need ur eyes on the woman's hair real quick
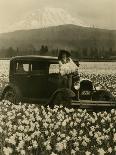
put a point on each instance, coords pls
(68, 54)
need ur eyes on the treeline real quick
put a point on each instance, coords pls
(95, 53)
(81, 53)
(10, 52)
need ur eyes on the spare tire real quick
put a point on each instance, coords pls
(103, 95)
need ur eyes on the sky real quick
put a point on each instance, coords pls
(100, 13)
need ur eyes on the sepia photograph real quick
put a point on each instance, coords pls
(57, 77)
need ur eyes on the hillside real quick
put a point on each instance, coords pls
(65, 36)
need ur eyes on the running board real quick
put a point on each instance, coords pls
(94, 103)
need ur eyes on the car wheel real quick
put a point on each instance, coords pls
(10, 95)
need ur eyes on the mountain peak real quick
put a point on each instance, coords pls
(46, 17)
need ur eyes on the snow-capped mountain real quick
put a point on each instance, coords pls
(46, 17)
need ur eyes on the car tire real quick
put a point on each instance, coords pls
(11, 96)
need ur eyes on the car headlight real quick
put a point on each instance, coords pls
(77, 85)
(98, 87)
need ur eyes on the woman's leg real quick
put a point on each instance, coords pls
(69, 82)
(63, 81)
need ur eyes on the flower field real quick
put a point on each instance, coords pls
(32, 130)
(37, 130)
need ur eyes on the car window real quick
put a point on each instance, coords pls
(22, 67)
(40, 67)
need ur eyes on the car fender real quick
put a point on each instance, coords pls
(1, 92)
(13, 87)
(63, 93)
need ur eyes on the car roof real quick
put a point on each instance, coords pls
(29, 58)
(34, 58)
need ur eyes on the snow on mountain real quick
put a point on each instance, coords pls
(46, 17)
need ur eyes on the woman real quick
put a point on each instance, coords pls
(67, 68)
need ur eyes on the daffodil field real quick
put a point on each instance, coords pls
(29, 129)
(33, 130)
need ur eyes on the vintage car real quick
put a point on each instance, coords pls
(35, 79)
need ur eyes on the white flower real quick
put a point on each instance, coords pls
(59, 147)
(21, 127)
(56, 126)
(21, 144)
(114, 139)
(77, 148)
(110, 150)
(71, 110)
(112, 111)
(67, 138)
(73, 152)
(78, 120)
(51, 125)
(83, 124)
(81, 132)
(46, 132)
(86, 138)
(84, 143)
(96, 135)
(22, 152)
(7, 150)
(53, 153)
(114, 130)
(80, 138)
(12, 140)
(75, 123)
(64, 123)
(1, 130)
(71, 124)
(93, 120)
(48, 147)
(62, 135)
(35, 144)
(92, 128)
(87, 153)
(111, 125)
(99, 141)
(67, 110)
(76, 144)
(52, 134)
(103, 121)
(106, 137)
(58, 138)
(91, 133)
(29, 147)
(45, 125)
(101, 151)
(73, 133)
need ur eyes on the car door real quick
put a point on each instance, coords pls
(38, 79)
(53, 78)
(21, 79)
